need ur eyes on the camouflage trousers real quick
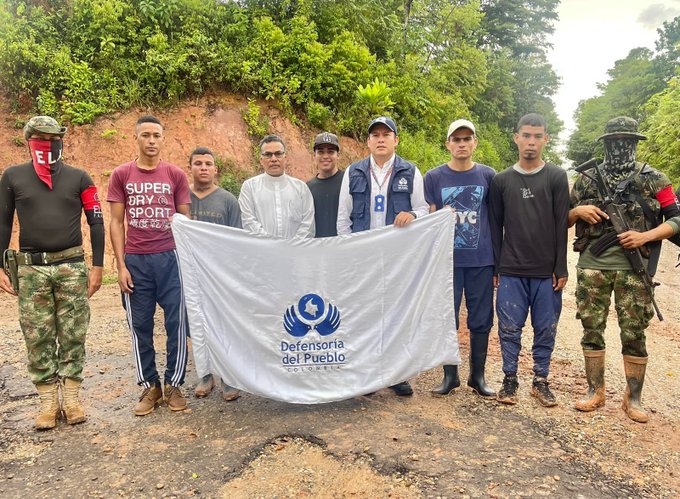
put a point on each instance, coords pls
(633, 308)
(54, 314)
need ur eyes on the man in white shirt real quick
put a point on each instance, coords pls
(382, 189)
(274, 203)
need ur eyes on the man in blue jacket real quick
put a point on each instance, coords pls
(382, 189)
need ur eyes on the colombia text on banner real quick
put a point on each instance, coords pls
(319, 320)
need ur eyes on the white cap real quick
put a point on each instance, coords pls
(460, 124)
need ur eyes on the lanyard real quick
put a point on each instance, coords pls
(385, 178)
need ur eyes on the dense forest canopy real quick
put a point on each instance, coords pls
(646, 86)
(331, 64)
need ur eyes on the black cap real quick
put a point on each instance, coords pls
(326, 138)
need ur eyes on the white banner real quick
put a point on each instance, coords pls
(319, 320)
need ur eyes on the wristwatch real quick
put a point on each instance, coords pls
(413, 213)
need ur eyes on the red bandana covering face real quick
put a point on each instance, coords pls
(45, 153)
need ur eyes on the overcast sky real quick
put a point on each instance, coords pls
(591, 35)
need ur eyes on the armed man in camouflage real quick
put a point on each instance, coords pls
(53, 280)
(648, 198)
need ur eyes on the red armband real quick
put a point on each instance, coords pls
(666, 196)
(90, 199)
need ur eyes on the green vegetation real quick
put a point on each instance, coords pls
(109, 134)
(339, 62)
(257, 124)
(644, 86)
(109, 278)
(230, 176)
(661, 126)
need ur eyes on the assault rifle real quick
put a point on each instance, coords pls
(620, 223)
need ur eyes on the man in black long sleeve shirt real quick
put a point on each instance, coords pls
(529, 207)
(49, 198)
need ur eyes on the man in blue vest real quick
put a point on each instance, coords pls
(382, 189)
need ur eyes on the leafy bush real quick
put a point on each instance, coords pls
(375, 98)
(319, 115)
(231, 177)
(663, 147)
(422, 150)
(257, 124)
(341, 62)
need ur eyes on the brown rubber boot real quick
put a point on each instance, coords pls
(70, 404)
(49, 406)
(595, 360)
(635, 368)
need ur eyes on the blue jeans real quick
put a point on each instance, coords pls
(477, 283)
(157, 279)
(515, 297)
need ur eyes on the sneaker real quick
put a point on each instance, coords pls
(149, 399)
(508, 393)
(174, 398)
(206, 385)
(402, 389)
(541, 391)
(229, 393)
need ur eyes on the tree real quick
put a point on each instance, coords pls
(662, 149)
(522, 26)
(667, 45)
(521, 80)
(632, 81)
(426, 62)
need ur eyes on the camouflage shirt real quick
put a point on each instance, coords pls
(644, 185)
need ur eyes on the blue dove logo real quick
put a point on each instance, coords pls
(311, 312)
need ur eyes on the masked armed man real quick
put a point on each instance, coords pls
(54, 283)
(653, 214)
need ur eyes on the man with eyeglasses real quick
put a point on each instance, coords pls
(382, 189)
(325, 186)
(463, 186)
(274, 203)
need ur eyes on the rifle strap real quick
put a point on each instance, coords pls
(654, 248)
(654, 221)
(634, 179)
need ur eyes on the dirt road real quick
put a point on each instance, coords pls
(378, 446)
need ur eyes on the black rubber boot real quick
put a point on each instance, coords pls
(478, 347)
(450, 381)
(402, 389)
